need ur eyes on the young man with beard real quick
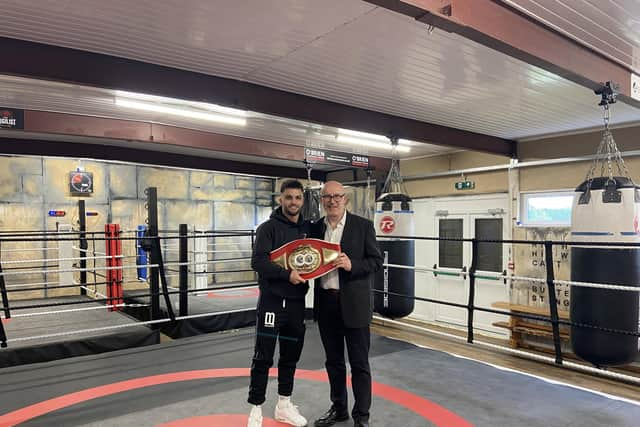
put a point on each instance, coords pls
(281, 307)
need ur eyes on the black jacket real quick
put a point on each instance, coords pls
(272, 234)
(359, 243)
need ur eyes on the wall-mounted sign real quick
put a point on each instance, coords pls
(80, 183)
(57, 213)
(329, 157)
(635, 86)
(11, 118)
(465, 185)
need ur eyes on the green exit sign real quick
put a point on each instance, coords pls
(465, 185)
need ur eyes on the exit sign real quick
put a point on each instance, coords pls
(465, 185)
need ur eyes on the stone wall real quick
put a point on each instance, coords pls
(32, 186)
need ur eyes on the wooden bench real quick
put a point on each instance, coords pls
(521, 327)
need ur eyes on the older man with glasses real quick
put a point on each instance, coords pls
(343, 305)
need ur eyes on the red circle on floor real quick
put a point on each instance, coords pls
(438, 415)
(224, 420)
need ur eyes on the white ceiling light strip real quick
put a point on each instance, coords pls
(371, 140)
(188, 113)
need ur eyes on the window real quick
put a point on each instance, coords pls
(450, 252)
(552, 208)
(489, 254)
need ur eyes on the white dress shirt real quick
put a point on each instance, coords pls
(331, 280)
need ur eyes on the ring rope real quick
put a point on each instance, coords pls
(523, 278)
(31, 284)
(122, 326)
(73, 310)
(29, 249)
(26, 261)
(546, 359)
(72, 270)
(88, 250)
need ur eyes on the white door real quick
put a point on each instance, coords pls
(484, 217)
(450, 258)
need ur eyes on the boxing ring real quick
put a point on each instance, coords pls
(203, 380)
(122, 375)
(209, 281)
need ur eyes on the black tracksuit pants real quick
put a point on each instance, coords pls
(278, 320)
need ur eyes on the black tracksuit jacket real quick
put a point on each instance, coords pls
(272, 234)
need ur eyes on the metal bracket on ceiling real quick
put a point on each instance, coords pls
(608, 91)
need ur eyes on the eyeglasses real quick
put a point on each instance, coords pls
(336, 197)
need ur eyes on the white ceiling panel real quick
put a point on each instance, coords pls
(610, 27)
(346, 51)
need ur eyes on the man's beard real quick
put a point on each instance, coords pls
(289, 213)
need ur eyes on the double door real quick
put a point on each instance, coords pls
(482, 217)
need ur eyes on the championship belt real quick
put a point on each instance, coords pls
(312, 258)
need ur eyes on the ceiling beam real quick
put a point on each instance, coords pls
(41, 61)
(158, 137)
(41, 147)
(496, 25)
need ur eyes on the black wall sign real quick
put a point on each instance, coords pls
(80, 183)
(329, 157)
(10, 118)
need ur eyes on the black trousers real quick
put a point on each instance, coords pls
(278, 320)
(334, 336)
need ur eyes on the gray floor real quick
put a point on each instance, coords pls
(479, 393)
(209, 301)
(62, 322)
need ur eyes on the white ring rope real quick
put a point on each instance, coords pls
(26, 261)
(72, 270)
(525, 354)
(422, 268)
(93, 291)
(44, 232)
(88, 250)
(220, 251)
(27, 249)
(125, 325)
(598, 285)
(32, 284)
(522, 278)
(73, 310)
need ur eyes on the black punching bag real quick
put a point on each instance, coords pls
(605, 212)
(394, 217)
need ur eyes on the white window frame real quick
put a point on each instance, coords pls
(525, 196)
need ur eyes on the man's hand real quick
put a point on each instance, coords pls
(343, 262)
(295, 278)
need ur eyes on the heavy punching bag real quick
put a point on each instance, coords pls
(605, 209)
(394, 217)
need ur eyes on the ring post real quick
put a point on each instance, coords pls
(152, 223)
(553, 304)
(184, 270)
(82, 222)
(472, 289)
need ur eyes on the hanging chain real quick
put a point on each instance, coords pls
(308, 166)
(609, 150)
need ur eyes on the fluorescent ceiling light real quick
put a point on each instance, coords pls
(162, 100)
(369, 140)
(192, 114)
(372, 144)
(362, 135)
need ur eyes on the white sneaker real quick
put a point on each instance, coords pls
(255, 417)
(287, 412)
